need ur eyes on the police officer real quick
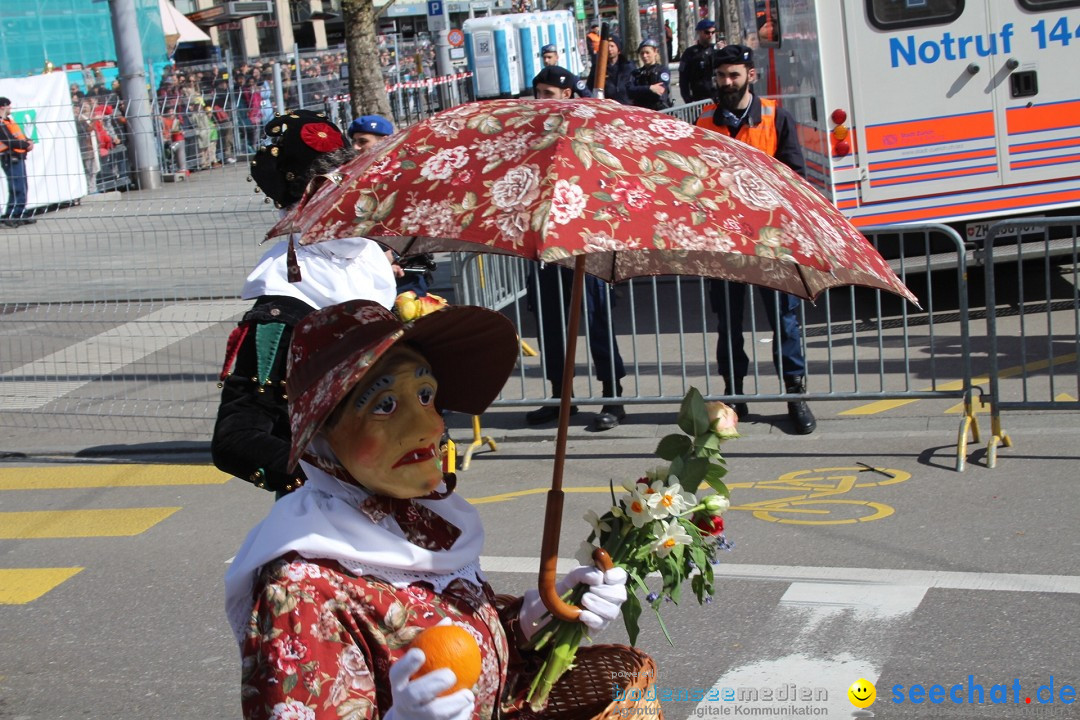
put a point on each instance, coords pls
(550, 293)
(14, 145)
(619, 71)
(737, 111)
(696, 66)
(550, 55)
(650, 84)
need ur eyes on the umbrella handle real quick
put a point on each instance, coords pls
(558, 607)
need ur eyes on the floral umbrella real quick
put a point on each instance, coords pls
(616, 191)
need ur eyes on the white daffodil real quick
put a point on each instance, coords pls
(637, 507)
(598, 525)
(672, 536)
(660, 472)
(584, 554)
(667, 501)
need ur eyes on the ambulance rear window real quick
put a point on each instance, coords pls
(1048, 4)
(896, 14)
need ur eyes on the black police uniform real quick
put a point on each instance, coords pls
(696, 73)
(641, 83)
(617, 81)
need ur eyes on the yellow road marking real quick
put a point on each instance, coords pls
(883, 405)
(18, 587)
(68, 477)
(979, 406)
(123, 522)
(503, 497)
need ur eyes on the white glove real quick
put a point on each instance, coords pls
(419, 699)
(600, 605)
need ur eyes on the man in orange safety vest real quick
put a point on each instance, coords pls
(14, 146)
(740, 113)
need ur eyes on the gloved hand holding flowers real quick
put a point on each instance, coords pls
(659, 526)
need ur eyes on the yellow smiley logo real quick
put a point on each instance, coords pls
(862, 693)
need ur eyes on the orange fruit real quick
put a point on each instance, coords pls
(449, 646)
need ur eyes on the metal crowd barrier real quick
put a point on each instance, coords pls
(859, 344)
(1044, 354)
(689, 112)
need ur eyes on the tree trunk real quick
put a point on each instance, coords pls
(733, 33)
(631, 34)
(685, 20)
(366, 86)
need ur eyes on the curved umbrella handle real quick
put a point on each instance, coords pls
(558, 607)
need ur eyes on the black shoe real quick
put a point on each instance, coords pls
(546, 414)
(27, 221)
(610, 416)
(741, 410)
(799, 411)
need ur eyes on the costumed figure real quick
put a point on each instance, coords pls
(251, 435)
(327, 593)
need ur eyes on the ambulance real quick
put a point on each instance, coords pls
(929, 111)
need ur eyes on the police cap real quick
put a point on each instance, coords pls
(648, 42)
(734, 55)
(549, 48)
(705, 25)
(555, 76)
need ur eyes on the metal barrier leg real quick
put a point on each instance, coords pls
(478, 442)
(449, 456)
(998, 437)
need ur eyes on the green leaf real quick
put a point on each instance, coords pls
(466, 220)
(289, 683)
(631, 612)
(408, 165)
(545, 142)
(691, 186)
(672, 446)
(713, 478)
(644, 165)
(698, 167)
(385, 207)
(603, 197)
(606, 158)
(678, 465)
(581, 150)
(694, 472)
(693, 418)
(708, 441)
(663, 627)
(675, 159)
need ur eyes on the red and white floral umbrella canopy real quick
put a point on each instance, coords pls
(637, 192)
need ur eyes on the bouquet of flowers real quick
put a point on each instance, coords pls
(660, 526)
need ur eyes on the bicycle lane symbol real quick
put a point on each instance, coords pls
(816, 502)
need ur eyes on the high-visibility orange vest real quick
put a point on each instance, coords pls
(762, 136)
(16, 132)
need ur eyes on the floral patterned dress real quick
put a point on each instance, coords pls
(321, 640)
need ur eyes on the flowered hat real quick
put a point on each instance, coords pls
(471, 350)
(282, 168)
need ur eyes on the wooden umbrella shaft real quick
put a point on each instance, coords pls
(549, 548)
(600, 71)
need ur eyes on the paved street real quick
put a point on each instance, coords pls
(111, 595)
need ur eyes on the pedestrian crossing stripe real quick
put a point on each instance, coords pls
(73, 477)
(23, 585)
(121, 522)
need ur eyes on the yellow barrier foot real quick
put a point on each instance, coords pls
(478, 442)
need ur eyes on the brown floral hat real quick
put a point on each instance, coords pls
(471, 350)
(282, 168)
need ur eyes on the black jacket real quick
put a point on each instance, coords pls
(696, 73)
(251, 436)
(617, 82)
(641, 83)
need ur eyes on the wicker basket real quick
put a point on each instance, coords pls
(586, 691)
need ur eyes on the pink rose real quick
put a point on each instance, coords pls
(287, 653)
(722, 420)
